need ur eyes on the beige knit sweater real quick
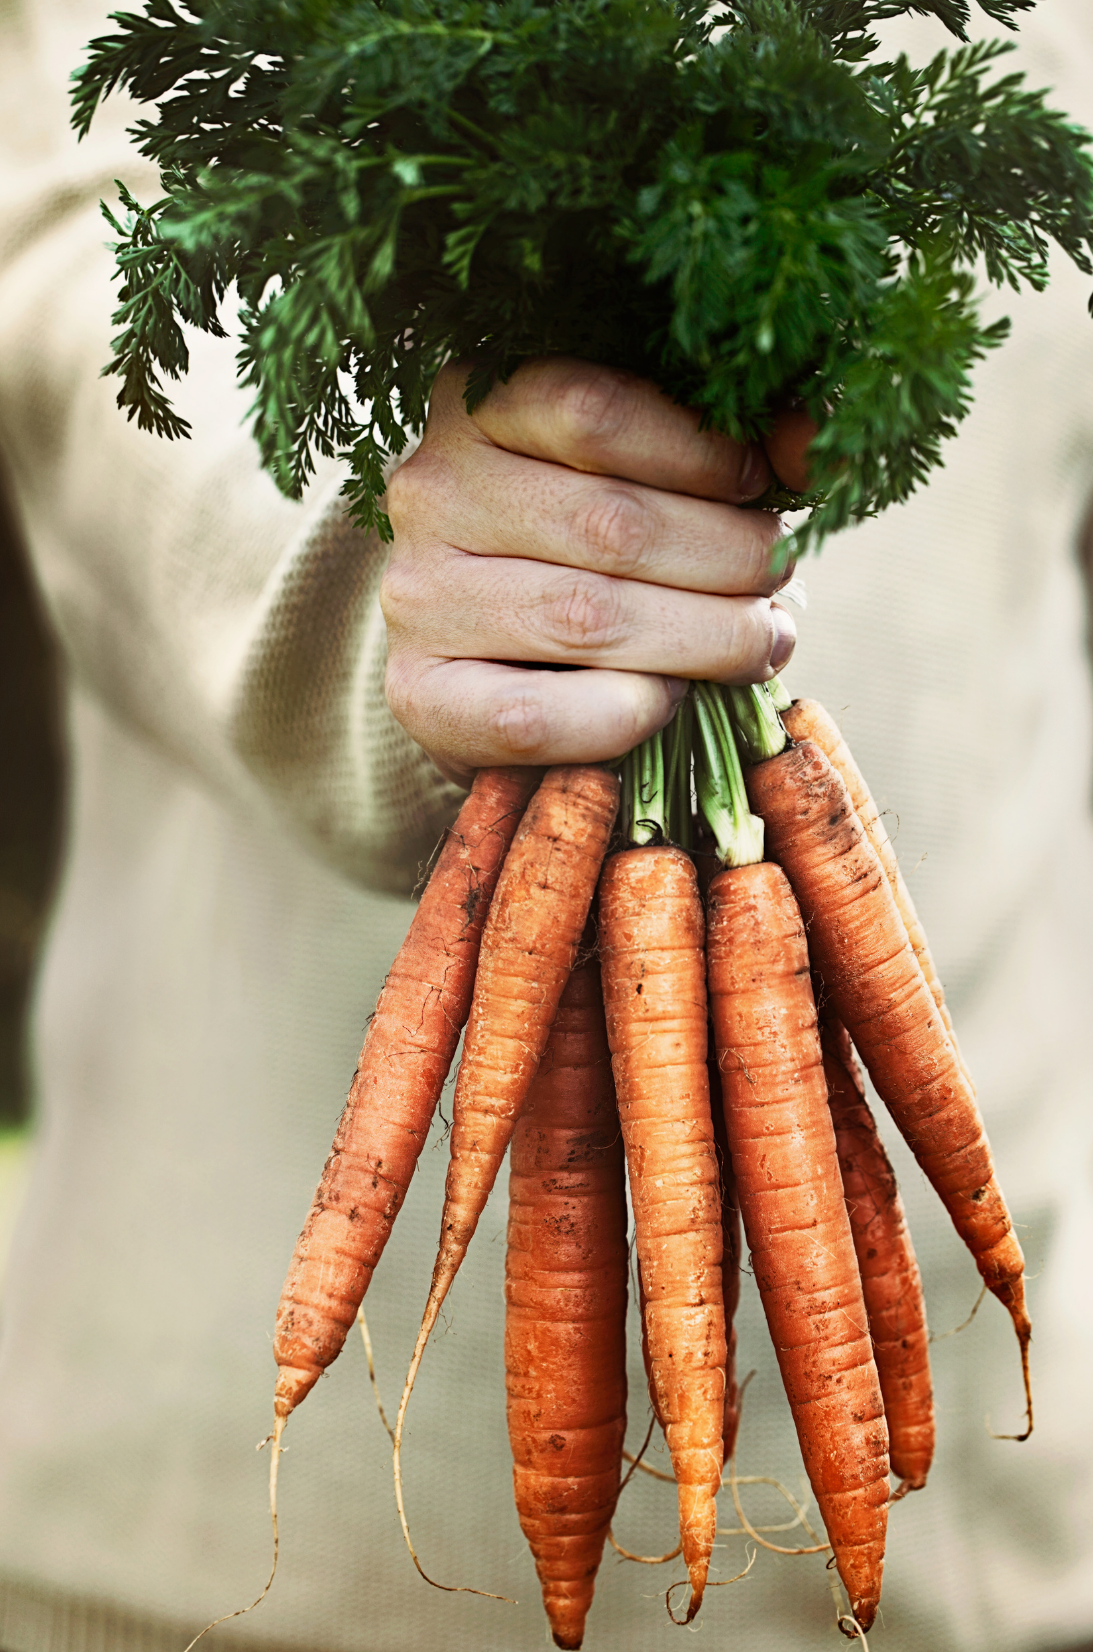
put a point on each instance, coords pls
(246, 816)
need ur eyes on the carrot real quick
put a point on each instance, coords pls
(859, 946)
(646, 1356)
(565, 1325)
(730, 1271)
(886, 1260)
(730, 1268)
(807, 720)
(782, 1143)
(730, 1254)
(407, 1052)
(529, 948)
(651, 935)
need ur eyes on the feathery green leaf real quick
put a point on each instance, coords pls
(751, 206)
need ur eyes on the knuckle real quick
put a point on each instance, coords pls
(614, 530)
(518, 724)
(402, 490)
(400, 593)
(593, 407)
(403, 690)
(414, 490)
(583, 613)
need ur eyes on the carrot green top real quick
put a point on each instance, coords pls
(748, 204)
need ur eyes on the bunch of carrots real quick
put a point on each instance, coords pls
(681, 989)
(673, 963)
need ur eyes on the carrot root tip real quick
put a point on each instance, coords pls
(294, 1383)
(692, 1605)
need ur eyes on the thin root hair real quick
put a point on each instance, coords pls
(367, 1340)
(274, 1442)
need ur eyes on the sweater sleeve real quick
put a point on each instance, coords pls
(235, 629)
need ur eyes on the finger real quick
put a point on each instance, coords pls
(497, 504)
(599, 419)
(455, 605)
(470, 714)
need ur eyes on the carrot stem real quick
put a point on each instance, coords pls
(780, 696)
(758, 726)
(656, 784)
(719, 782)
(645, 809)
(651, 795)
(678, 738)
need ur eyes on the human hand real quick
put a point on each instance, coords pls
(579, 518)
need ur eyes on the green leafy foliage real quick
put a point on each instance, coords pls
(748, 205)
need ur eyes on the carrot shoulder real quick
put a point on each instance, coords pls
(782, 1143)
(886, 1260)
(565, 1324)
(860, 948)
(407, 1052)
(651, 948)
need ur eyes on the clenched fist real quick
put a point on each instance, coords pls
(578, 519)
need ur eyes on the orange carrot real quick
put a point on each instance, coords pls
(782, 1143)
(707, 865)
(807, 720)
(730, 1266)
(889, 1272)
(859, 946)
(408, 1050)
(529, 948)
(730, 1254)
(646, 1357)
(651, 935)
(565, 1325)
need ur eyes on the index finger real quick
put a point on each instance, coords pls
(612, 423)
